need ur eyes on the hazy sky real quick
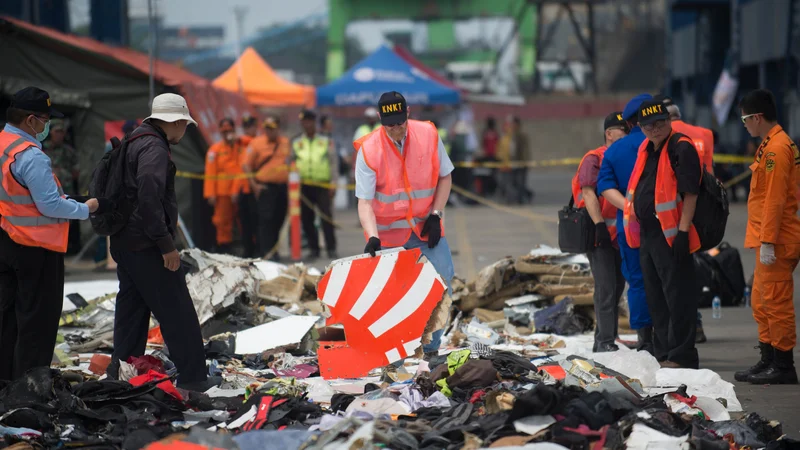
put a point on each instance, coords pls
(260, 13)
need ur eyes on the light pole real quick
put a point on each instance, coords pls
(239, 12)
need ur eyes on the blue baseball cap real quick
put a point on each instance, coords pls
(632, 108)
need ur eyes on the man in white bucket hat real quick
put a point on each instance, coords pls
(148, 264)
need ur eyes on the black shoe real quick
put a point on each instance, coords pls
(200, 386)
(313, 255)
(767, 355)
(602, 348)
(700, 336)
(645, 336)
(781, 371)
(332, 254)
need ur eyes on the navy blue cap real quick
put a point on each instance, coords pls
(35, 100)
(632, 108)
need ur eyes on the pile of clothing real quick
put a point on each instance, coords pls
(477, 397)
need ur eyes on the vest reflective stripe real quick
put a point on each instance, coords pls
(401, 224)
(405, 182)
(668, 201)
(5, 196)
(312, 158)
(607, 209)
(419, 194)
(33, 221)
(19, 217)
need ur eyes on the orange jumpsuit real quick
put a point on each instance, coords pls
(772, 218)
(703, 140)
(222, 166)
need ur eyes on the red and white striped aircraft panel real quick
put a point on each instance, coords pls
(383, 302)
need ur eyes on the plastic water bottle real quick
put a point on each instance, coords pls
(747, 296)
(716, 306)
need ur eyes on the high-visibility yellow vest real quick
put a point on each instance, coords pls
(443, 135)
(364, 130)
(311, 157)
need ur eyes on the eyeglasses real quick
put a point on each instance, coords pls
(749, 116)
(657, 125)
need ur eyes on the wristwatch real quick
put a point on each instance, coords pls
(438, 212)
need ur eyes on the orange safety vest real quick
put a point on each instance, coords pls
(21, 219)
(222, 168)
(405, 183)
(702, 139)
(608, 210)
(669, 205)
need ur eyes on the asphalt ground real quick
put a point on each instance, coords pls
(479, 235)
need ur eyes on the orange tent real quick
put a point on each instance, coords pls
(262, 86)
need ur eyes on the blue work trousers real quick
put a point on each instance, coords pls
(632, 271)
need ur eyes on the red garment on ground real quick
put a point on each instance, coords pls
(166, 386)
(146, 363)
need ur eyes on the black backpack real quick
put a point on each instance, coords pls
(711, 213)
(108, 181)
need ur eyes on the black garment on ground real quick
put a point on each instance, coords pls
(561, 319)
(150, 185)
(340, 402)
(146, 286)
(511, 365)
(321, 198)
(539, 401)
(248, 222)
(273, 203)
(672, 298)
(31, 299)
(686, 164)
(606, 265)
(475, 373)
(592, 409)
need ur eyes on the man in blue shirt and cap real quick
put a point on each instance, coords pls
(612, 182)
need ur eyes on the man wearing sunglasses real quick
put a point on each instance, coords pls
(34, 217)
(659, 208)
(773, 230)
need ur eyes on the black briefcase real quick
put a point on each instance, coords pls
(575, 229)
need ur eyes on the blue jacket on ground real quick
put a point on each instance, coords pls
(618, 162)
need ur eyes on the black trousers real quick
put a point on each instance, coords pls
(146, 286)
(248, 221)
(31, 299)
(321, 198)
(672, 298)
(273, 202)
(606, 264)
(74, 239)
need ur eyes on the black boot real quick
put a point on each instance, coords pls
(767, 354)
(645, 339)
(781, 371)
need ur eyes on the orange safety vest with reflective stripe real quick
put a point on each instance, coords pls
(669, 205)
(405, 183)
(21, 219)
(608, 210)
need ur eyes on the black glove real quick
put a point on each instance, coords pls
(680, 246)
(432, 229)
(79, 198)
(602, 237)
(373, 245)
(103, 205)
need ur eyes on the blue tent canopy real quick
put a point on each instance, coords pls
(380, 72)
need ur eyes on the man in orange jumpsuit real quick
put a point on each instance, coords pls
(222, 168)
(703, 138)
(244, 198)
(773, 229)
(266, 160)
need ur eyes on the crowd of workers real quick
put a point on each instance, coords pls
(641, 189)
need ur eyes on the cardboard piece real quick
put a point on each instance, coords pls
(384, 304)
